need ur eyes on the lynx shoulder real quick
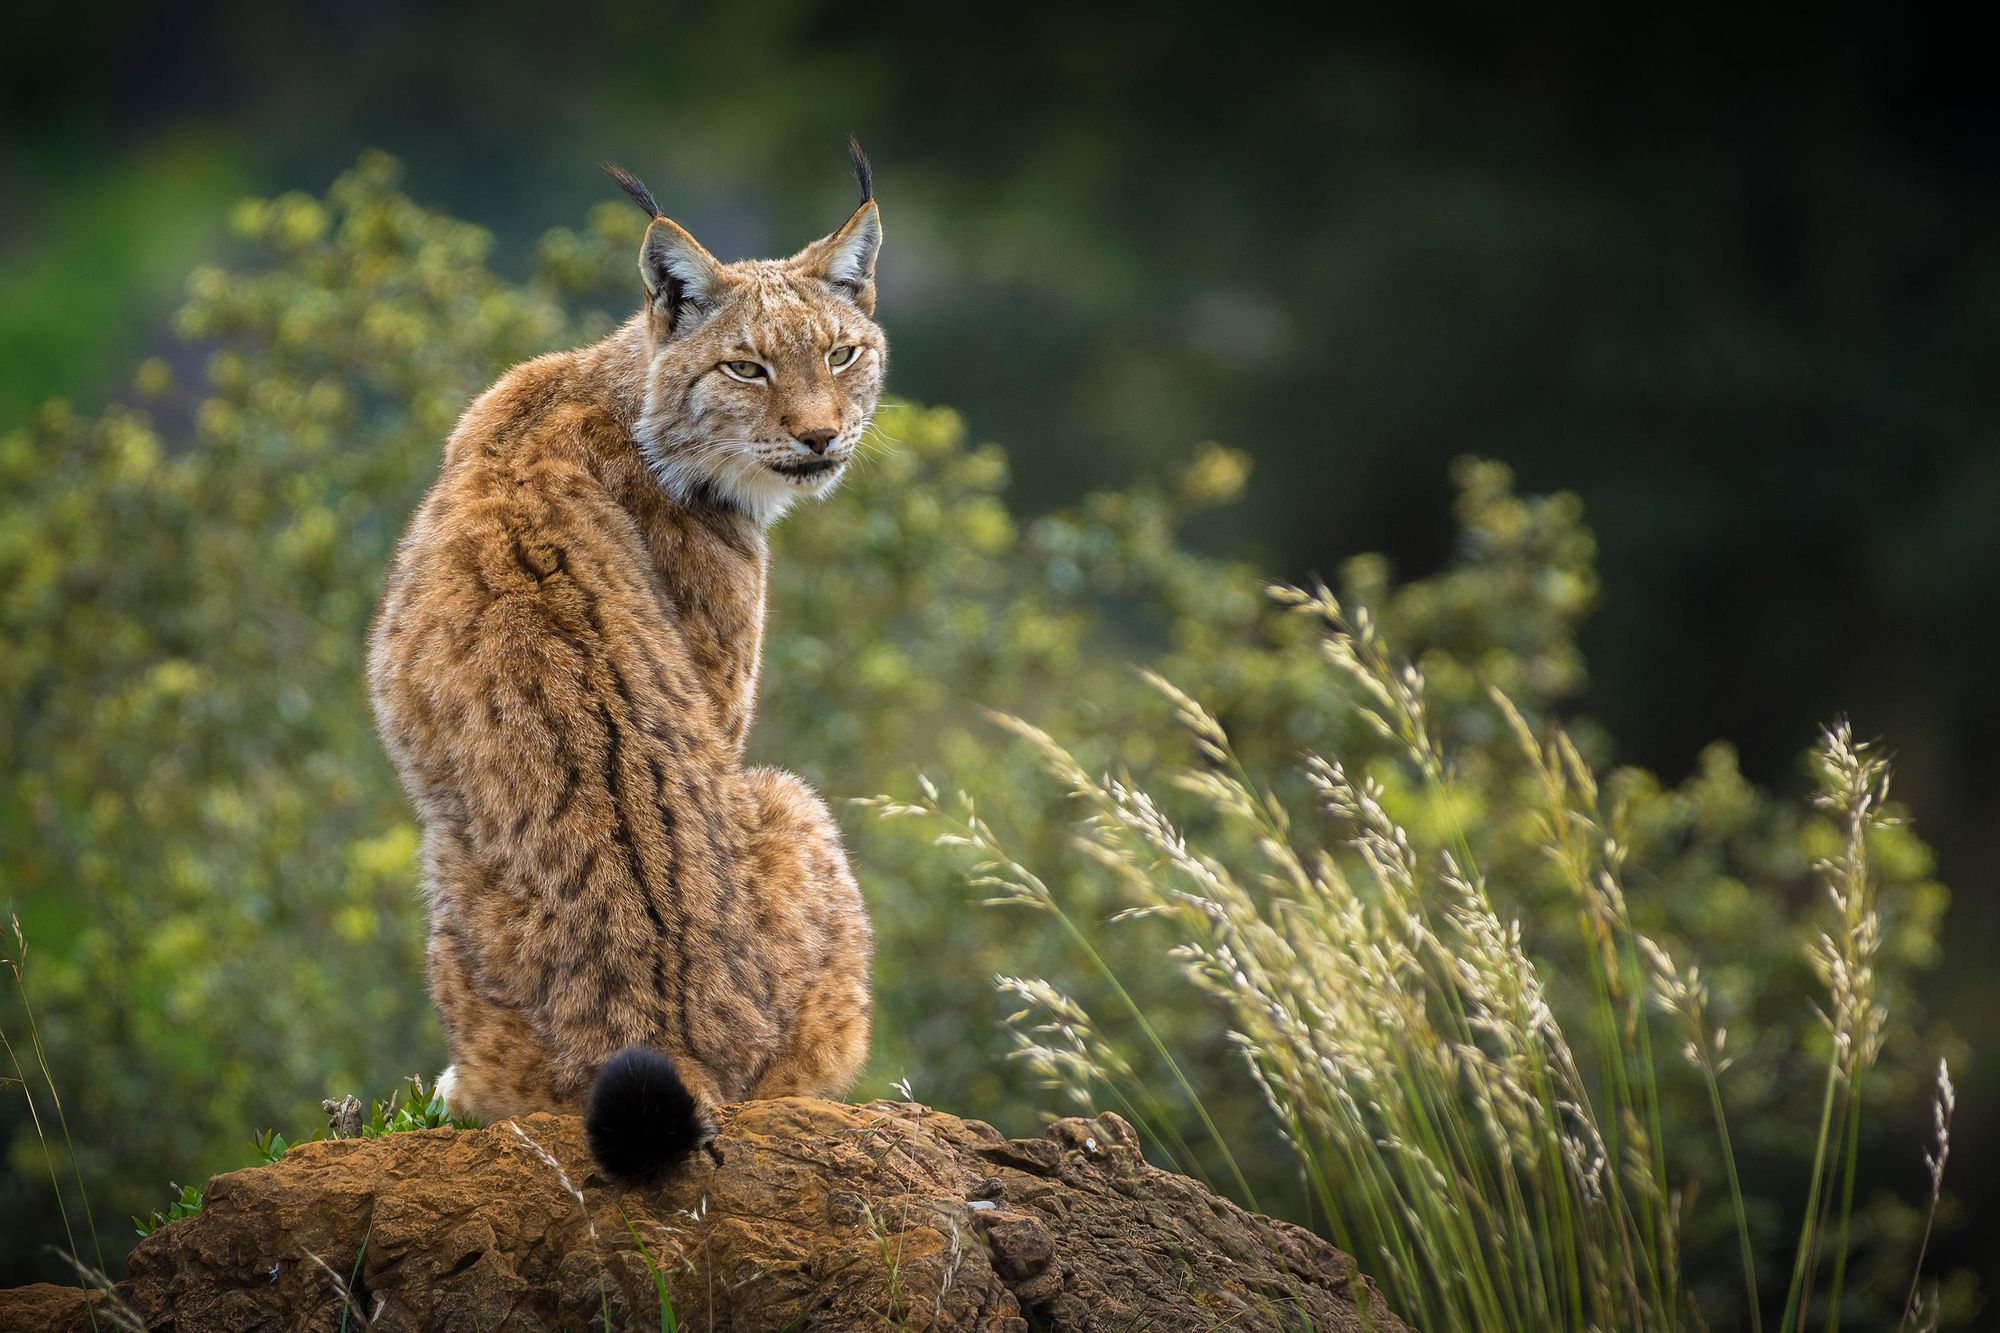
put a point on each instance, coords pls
(625, 919)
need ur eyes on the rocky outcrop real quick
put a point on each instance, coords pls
(801, 1215)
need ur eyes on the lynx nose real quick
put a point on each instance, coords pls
(816, 440)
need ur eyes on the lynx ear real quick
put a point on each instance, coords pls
(681, 277)
(846, 259)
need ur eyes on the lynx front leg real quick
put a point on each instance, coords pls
(496, 1070)
(811, 910)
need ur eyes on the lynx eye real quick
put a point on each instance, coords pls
(744, 370)
(840, 356)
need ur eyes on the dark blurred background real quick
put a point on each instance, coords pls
(1729, 272)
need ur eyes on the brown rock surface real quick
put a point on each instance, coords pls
(802, 1215)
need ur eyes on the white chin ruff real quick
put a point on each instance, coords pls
(752, 487)
(762, 493)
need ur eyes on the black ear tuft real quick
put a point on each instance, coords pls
(635, 187)
(862, 172)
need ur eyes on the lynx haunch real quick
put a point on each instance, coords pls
(624, 918)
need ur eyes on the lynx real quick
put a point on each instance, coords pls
(625, 919)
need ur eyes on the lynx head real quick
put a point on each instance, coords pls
(763, 373)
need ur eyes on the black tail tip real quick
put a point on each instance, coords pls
(640, 1118)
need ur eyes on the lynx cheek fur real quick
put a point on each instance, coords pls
(624, 919)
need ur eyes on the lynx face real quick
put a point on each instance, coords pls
(764, 373)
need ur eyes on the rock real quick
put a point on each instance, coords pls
(802, 1214)
(43, 1305)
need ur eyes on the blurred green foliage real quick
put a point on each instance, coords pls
(82, 303)
(217, 872)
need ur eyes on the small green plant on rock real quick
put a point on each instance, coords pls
(420, 1107)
